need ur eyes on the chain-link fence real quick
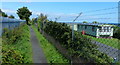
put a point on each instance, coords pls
(104, 35)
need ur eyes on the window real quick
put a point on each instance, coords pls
(78, 26)
(93, 28)
(106, 29)
(100, 29)
(85, 27)
(81, 26)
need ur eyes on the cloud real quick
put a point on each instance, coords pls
(52, 16)
(8, 11)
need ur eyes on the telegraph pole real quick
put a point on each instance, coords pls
(73, 26)
(73, 31)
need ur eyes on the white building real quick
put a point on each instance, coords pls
(97, 30)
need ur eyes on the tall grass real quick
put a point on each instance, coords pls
(16, 46)
(0, 49)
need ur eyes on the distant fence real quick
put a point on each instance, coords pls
(9, 23)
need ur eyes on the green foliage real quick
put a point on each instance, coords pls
(95, 22)
(51, 53)
(85, 22)
(9, 55)
(16, 47)
(3, 14)
(24, 13)
(11, 16)
(116, 32)
(41, 20)
(81, 46)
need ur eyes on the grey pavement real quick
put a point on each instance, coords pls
(38, 55)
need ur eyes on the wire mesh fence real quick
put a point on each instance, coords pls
(106, 34)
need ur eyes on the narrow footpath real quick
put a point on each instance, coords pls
(38, 55)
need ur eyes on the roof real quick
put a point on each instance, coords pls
(90, 24)
(96, 24)
(6, 19)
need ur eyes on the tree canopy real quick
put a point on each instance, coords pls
(40, 20)
(95, 22)
(85, 22)
(3, 13)
(24, 13)
(116, 32)
(11, 16)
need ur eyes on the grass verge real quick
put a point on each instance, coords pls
(51, 53)
(0, 50)
(110, 42)
(16, 48)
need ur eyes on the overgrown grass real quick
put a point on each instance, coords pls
(51, 53)
(16, 48)
(110, 42)
(0, 41)
(0, 49)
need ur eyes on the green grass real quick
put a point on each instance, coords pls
(118, 63)
(51, 53)
(0, 49)
(24, 46)
(0, 41)
(21, 50)
(110, 42)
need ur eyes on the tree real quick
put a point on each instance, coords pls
(3, 14)
(81, 47)
(85, 22)
(24, 13)
(95, 22)
(41, 20)
(11, 16)
(116, 32)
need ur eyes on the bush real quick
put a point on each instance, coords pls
(16, 45)
(81, 46)
(9, 55)
(117, 32)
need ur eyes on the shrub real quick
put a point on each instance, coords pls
(9, 55)
(117, 32)
(16, 45)
(81, 46)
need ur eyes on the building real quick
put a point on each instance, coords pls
(75, 26)
(97, 30)
(9, 23)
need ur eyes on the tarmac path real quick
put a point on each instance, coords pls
(38, 55)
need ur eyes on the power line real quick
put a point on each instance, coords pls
(97, 18)
(100, 10)
(103, 14)
(109, 13)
